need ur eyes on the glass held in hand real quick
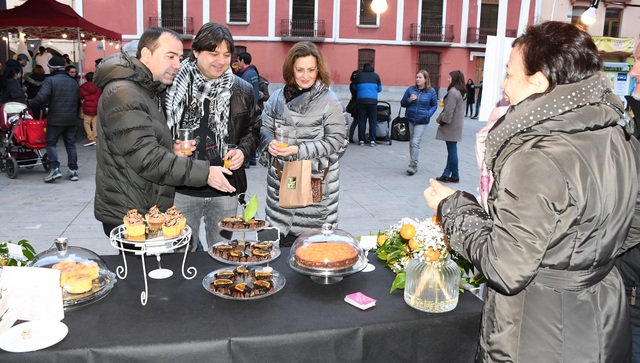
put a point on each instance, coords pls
(185, 136)
(282, 136)
(224, 153)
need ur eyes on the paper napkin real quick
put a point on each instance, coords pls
(360, 300)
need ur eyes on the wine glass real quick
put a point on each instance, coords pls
(367, 243)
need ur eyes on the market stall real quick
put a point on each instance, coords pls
(49, 19)
(304, 322)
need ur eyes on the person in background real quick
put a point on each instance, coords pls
(138, 162)
(34, 82)
(352, 106)
(314, 118)
(421, 102)
(557, 220)
(18, 63)
(479, 88)
(368, 85)
(72, 72)
(62, 95)
(249, 73)
(471, 98)
(67, 60)
(450, 129)
(13, 91)
(208, 98)
(90, 95)
(629, 263)
(42, 59)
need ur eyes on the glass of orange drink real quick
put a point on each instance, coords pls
(282, 136)
(185, 136)
(226, 158)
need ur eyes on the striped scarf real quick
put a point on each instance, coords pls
(191, 87)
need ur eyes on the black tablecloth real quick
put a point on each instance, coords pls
(304, 322)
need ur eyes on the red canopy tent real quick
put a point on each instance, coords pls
(49, 19)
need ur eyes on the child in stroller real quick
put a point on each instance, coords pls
(22, 139)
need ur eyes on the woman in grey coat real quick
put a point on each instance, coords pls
(314, 117)
(450, 128)
(564, 204)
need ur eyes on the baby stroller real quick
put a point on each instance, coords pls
(383, 129)
(22, 139)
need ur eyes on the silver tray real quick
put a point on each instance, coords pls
(278, 283)
(275, 252)
(327, 276)
(244, 230)
(101, 287)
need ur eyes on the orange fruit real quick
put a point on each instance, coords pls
(407, 231)
(413, 244)
(382, 239)
(431, 255)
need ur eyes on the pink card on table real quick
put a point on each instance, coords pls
(360, 300)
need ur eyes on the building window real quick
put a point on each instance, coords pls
(576, 18)
(171, 15)
(430, 61)
(238, 11)
(366, 56)
(303, 22)
(366, 15)
(612, 23)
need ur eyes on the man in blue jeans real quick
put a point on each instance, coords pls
(62, 94)
(367, 86)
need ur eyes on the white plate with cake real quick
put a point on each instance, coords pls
(244, 282)
(239, 252)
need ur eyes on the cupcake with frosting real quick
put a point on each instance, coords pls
(155, 219)
(174, 223)
(134, 226)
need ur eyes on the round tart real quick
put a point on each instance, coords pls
(326, 255)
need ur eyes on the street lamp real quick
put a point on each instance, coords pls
(379, 6)
(589, 16)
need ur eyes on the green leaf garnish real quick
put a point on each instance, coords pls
(251, 208)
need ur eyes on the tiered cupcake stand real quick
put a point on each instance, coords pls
(278, 280)
(152, 247)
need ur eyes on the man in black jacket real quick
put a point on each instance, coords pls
(220, 107)
(62, 94)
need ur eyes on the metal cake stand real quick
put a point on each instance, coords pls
(152, 247)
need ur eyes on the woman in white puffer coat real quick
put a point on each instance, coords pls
(317, 131)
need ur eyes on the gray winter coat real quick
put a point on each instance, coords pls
(318, 127)
(136, 166)
(451, 127)
(565, 197)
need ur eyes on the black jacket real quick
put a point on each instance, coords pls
(136, 166)
(62, 94)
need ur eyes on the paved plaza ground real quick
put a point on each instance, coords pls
(375, 191)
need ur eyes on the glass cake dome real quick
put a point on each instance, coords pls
(326, 254)
(84, 276)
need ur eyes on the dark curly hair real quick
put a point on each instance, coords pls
(560, 51)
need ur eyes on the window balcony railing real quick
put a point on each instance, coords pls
(182, 26)
(479, 35)
(431, 33)
(302, 28)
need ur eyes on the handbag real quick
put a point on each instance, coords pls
(316, 186)
(440, 117)
(295, 184)
(400, 128)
